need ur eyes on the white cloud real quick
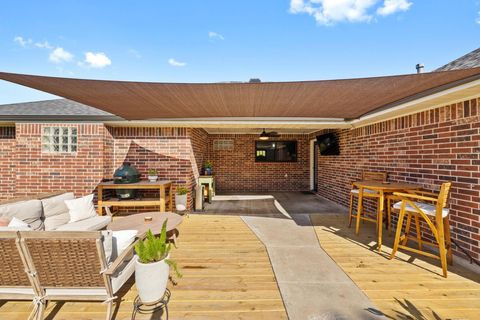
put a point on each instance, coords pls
(60, 55)
(43, 45)
(330, 12)
(176, 63)
(215, 35)
(134, 53)
(22, 42)
(392, 6)
(97, 60)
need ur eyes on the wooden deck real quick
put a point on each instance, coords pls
(408, 287)
(227, 275)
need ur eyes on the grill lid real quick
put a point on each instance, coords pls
(126, 173)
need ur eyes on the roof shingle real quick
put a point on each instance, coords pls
(470, 60)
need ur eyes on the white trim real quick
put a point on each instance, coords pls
(390, 113)
(291, 123)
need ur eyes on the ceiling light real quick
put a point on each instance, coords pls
(264, 135)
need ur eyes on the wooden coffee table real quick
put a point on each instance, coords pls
(137, 222)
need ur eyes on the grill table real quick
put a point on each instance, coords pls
(163, 186)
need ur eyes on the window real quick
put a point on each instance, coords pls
(276, 151)
(59, 139)
(223, 145)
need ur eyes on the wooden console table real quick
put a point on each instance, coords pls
(162, 186)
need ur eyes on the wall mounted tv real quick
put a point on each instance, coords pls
(328, 144)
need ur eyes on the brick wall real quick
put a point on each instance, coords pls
(7, 163)
(38, 172)
(237, 171)
(173, 152)
(199, 141)
(426, 148)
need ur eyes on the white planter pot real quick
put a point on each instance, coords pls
(152, 178)
(181, 202)
(151, 280)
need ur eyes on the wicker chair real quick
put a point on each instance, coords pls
(72, 266)
(17, 282)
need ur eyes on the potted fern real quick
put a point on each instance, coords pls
(181, 198)
(152, 266)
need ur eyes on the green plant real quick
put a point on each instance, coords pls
(208, 164)
(152, 172)
(153, 249)
(181, 190)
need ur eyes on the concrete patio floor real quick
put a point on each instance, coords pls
(312, 285)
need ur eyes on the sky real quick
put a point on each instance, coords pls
(214, 41)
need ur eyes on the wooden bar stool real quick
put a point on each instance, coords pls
(426, 206)
(366, 193)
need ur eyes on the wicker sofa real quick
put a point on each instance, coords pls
(48, 212)
(56, 265)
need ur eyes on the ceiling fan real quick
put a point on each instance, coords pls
(267, 135)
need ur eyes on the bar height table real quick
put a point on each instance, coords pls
(382, 188)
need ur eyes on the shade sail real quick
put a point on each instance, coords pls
(346, 99)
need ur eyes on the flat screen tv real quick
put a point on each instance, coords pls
(328, 144)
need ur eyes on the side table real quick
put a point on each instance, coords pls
(209, 183)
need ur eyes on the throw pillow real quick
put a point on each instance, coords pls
(29, 211)
(81, 208)
(18, 224)
(56, 211)
(121, 240)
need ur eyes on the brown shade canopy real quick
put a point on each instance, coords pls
(347, 99)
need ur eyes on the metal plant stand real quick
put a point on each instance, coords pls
(142, 308)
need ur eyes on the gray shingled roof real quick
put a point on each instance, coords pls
(470, 60)
(58, 109)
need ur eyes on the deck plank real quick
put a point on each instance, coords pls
(227, 275)
(407, 287)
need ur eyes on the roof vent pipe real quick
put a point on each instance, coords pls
(419, 67)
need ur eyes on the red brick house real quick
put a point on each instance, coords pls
(421, 128)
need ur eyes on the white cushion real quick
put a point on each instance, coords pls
(122, 274)
(97, 293)
(107, 245)
(27, 228)
(56, 211)
(121, 240)
(29, 211)
(369, 191)
(426, 208)
(91, 224)
(17, 292)
(115, 242)
(81, 208)
(17, 223)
